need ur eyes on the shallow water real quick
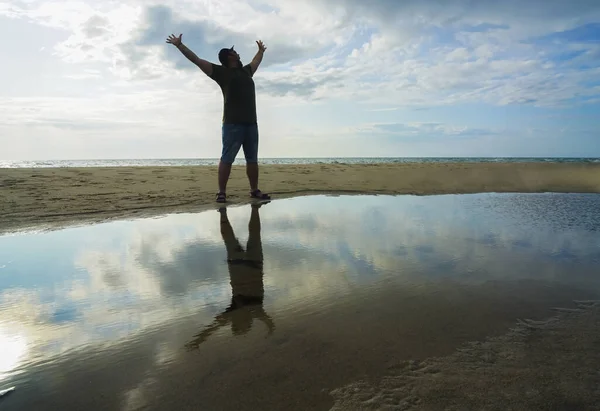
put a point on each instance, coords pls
(139, 314)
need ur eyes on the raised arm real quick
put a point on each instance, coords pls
(258, 57)
(204, 65)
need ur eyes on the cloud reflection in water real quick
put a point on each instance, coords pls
(115, 285)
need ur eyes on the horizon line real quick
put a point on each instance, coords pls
(291, 158)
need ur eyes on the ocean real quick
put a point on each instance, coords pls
(174, 162)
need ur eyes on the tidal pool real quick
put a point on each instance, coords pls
(278, 307)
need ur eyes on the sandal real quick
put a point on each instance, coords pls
(221, 198)
(260, 195)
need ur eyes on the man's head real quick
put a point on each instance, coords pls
(229, 58)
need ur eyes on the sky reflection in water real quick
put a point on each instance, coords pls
(70, 293)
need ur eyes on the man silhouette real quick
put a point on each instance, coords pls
(246, 279)
(240, 128)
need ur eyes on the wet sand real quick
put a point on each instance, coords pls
(538, 365)
(57, 196)
(420, 341)
(306, 362)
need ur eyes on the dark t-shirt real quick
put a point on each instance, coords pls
(239, 98)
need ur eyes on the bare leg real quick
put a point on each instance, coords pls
(252, 173)
(224, 171)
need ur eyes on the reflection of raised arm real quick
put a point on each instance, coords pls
(219, 322)
(204, 65)
(264, 317)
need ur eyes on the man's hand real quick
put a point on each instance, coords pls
(261, 46)
(204, 65)
(176, 41)
(258, 57)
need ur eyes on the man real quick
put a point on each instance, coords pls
(240, 128)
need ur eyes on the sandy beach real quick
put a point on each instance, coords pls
(58, 196)
(475, 305)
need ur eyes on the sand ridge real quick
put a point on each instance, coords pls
(34, 196)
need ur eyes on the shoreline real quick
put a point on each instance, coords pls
(193, 161)
(53, 197)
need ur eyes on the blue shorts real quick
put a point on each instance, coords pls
(236, 136)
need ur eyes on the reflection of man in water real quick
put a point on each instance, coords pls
(246, 278)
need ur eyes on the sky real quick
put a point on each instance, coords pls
(340, 78)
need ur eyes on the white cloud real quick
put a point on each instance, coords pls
(404, 55)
